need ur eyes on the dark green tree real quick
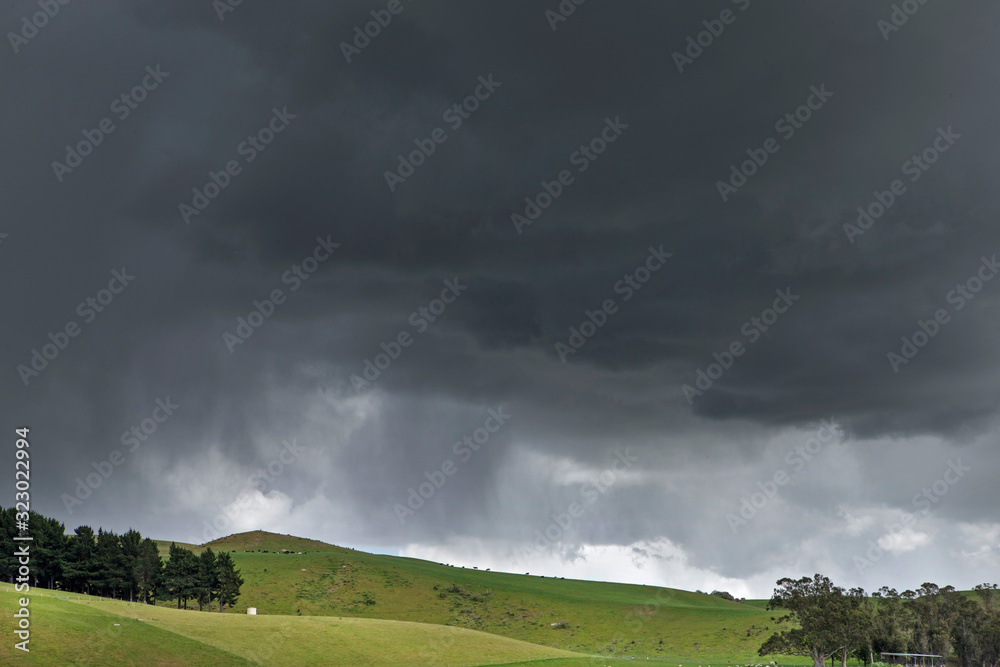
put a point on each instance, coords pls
(933, 611)
(975, 631)
(80, 568)
(208, 579)
(853, 622)
(147, 569)
(181, 574)
(48, 550)
(230, 580)
(113, 574)
(812, 606)
(8, 531)
(891, 627)
(130, 542)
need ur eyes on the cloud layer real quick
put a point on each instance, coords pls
(476, 208)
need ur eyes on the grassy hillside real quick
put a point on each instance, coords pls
(82, 630)
(77, 633)
(584, 616)
(164, 547)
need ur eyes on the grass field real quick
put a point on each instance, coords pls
(599, 618)
(84, 630)
(77, 633)
(320, 604)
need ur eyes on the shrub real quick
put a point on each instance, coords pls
(725, 595)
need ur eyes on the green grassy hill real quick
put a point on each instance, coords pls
(164, 547)
(584, 616)
(83, 630)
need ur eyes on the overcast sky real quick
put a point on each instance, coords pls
(695, 199)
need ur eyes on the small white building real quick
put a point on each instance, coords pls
(252, 611)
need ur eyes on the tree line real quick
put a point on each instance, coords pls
(126, 566)
(827, 622)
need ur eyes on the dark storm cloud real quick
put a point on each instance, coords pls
(551, 93)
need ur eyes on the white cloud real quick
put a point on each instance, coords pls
(904, 541)
(855, 525)
(654, 563)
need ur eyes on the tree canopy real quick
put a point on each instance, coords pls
(126, 566)
(825, 621)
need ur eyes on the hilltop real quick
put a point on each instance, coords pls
(256, 540)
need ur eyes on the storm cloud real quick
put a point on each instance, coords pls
(690, 294)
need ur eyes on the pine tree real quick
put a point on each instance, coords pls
(111, 562)
(147, 569)
(8, 530)
(230, 580)
(208, 579)
(80, 568)
(177, 574)
(48, 550)
(130, 543)
(189, 571)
